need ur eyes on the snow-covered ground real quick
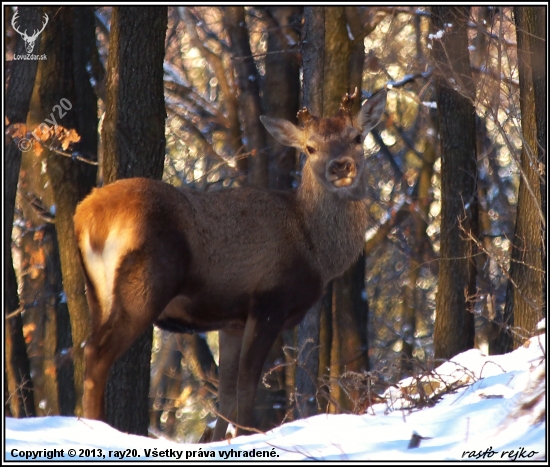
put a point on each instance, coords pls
(495, 410)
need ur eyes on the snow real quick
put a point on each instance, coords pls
(482, 407)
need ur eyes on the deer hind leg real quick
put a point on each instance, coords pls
(135, 304)
(230, 350)
(105, 345)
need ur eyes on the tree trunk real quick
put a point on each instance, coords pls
(248, 84)
(313, 55)
(327, 52)
(69, 50)
(59, 345)
(454, 324)
(419, 239)
(524, 299)
(281, 99)
(18, 97)
(538, 49)
(133, 145)
(282, 96)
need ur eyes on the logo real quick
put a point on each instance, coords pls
(29, 40)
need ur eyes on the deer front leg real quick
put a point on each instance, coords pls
(230, 349)
(259, 335)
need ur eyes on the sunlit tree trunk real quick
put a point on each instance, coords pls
(524, 297)
(327, 52)
(419, 239)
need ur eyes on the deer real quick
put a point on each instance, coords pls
(245, 261)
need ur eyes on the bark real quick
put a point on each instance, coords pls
(349, 351)
(327, 53)
(349, 314)
(18, 97)
(419, 238)
(58, 351)
(313, 54)
(133, 145)
(454, 325)
(248, 87)
(71, 180)
(282, 96)
(39, 320)
(325, 348)
(524, 296)
(538, 51)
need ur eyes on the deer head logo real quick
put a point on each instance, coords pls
(29, 40)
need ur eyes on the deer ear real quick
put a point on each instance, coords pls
(371, 112)
(284, 132)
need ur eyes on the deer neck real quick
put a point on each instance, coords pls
(336, 226)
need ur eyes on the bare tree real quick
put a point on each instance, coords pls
(524, 299)
(454, 325)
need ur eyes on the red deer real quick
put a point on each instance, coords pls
(247, 262)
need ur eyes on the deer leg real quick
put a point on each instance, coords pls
(129, 315)
(259, 336)
(102, 349)
(230, 350)
(94, 375)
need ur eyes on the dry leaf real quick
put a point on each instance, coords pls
(43, 132)
(70, 136)
(17, 131)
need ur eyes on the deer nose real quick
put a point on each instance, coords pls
(342, 168)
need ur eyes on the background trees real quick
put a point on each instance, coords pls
(455, 252)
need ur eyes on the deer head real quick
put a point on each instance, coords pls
(29, 40)
(334, 146)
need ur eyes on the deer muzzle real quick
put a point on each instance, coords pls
(342, 172)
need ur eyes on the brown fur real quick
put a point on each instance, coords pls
(248, 262)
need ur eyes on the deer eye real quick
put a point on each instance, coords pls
(311, 150)
(358, 139)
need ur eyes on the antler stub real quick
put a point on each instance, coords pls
(348, 100)
(304, 116)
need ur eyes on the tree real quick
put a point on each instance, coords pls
(455, 94)
(68, 43)
(250, 107)
(133, 145)
(340, 321)
(524, 296)
(18, 97)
